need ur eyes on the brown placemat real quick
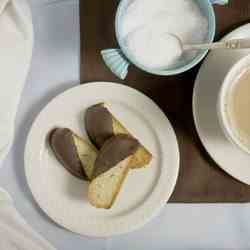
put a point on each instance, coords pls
(200, 179)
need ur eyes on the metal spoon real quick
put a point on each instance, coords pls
(230, 44)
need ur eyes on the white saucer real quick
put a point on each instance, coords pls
(145, 191)
(207, 85)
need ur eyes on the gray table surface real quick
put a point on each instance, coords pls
(55, 68)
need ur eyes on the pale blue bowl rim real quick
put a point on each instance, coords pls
(191, 64)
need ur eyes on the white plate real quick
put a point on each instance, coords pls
(207, 85)
(145, 191)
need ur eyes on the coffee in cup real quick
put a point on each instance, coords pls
(234, 104)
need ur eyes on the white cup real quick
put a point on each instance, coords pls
(231, 78)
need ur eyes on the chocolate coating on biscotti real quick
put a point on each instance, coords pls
(98, 123)
(62, 144)
(114, 150)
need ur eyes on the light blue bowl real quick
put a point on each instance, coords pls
(118, 60)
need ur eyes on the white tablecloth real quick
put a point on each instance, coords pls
(55, 68)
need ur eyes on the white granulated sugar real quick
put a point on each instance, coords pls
(145, 24)
(156, 50)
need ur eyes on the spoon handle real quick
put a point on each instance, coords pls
(230, 44)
